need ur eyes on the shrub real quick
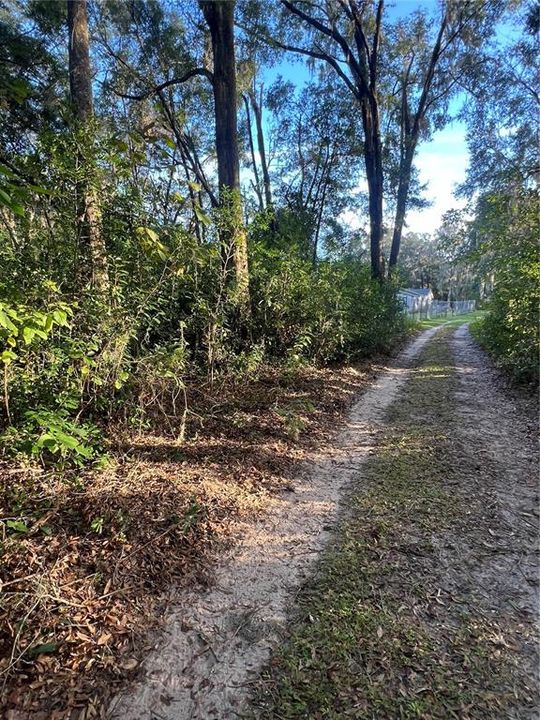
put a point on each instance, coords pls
(508, 225)
(332, 312)
(53, 438)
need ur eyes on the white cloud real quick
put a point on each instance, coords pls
(442, 163)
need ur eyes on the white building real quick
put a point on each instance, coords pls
(416, 300)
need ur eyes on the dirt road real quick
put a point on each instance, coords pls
(474, 536)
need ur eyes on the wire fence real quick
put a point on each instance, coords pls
(440, 308)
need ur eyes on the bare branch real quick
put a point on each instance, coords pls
(168, 83)
(375, 52)
(319, 55)
(332, 33)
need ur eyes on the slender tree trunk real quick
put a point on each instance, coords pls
(410, 141)
(401, 204)
(219, 15)
(80, 83)
(257, 182)
(257, 111)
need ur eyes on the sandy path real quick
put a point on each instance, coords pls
(427, 606)
(504, 441)
(499, 560)
(216, 642)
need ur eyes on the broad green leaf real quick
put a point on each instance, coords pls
(28, 334)
(17, 526)
(48, 442)
(17, 209)
(60, 317)
(147, 232)
(5, 322)
(5, 198)
(49, 647)
(67, 440)
(201, 215)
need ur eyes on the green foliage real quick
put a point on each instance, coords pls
(332, 312)
(22, 326)
(508, 227)
(73, 359)
(51, 437)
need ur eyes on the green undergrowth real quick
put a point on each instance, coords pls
(371, 636)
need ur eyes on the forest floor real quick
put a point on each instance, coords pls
(383, 565)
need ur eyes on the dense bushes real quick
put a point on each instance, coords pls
(75, 356)
(72, 359)
(508, 227)
(332, 312)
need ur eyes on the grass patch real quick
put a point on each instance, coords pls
(373, 635)
(452, 321)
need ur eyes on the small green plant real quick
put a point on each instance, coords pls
(53, 438)
(97, 525)
(193, 514)
(293, 417)
(21, 327)
(16, 526)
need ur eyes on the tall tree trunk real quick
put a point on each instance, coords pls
(219, 15)
(80, 83)
(411, 133)
(374, 175)
(404, 183)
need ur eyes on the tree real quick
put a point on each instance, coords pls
(256, 101)
(502, 110)
(502, 182)
(506, 229)
(158, 56)
(219, 17)
(357, 66)
(80, 83)
(313, 136)
(410, 123)
(350, 36)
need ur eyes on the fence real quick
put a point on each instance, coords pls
(441, 308)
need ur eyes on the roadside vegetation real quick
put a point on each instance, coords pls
(508, 227)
